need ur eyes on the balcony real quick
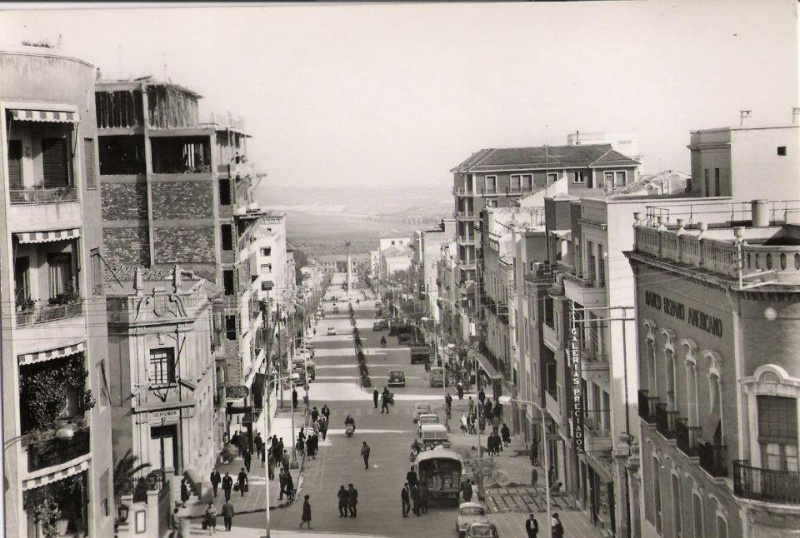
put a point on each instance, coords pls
(593, 360)
(584, 291)
(686, 437)
(713, 459)
(647, 406)
(55, 195)
(46, 314)
(666, 421)
(463, 191)
(765, 485)
(466, 265)
(552, 337)
(597, 430)
(53, 451)
(466, 239)
(465, 214)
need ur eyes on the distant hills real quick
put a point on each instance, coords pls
(321, 220)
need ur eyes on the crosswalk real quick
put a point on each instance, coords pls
(524, 499)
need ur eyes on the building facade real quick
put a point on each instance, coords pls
(717, 302)
(55, 406)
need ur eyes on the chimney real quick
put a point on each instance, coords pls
(577, 138)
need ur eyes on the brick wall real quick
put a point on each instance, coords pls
(124, 201)
(183, 200)
(126, 246)
(184, 245)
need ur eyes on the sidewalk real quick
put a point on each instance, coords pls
(255, 499)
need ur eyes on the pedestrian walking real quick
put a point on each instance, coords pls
(481, 396)
(227, 486)
(241, 481)
(464, 424)
(285, 460)
(470, 406)
(247, 459)
(532, 527)
(184, 493)
(282, 484)
(405, 500)
(174, 520)
(227, 515)
(306, 518)
(314, 414)
(466, 491)
(448, 403)
(211, 518)
(259, 447)
(289, 485)
(294, 398)
(415, 499)
(385, 396)
(534, 477)
(375, 396)
(326, 412)
(352, 500)
(556, 526)
(342, 495)
(215, 480)
(365, 454)
(301, 446)
(411, 477)
(323, 426)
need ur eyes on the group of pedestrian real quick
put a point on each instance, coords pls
(348, 501)
(556, 528)
(210, 516)
(494, 444)
(415, 495)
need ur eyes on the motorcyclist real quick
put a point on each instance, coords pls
(383, 341)
(349, 420)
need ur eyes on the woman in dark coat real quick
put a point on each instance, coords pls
(306, 513)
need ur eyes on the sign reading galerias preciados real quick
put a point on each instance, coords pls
(577, 387)
(692, 316)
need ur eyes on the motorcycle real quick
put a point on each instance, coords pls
(349, 430)
(383, 341)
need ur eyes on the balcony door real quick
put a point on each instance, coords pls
(164, 448)
(61, 273)
(777, 433)
(15, 164)
(54, 162)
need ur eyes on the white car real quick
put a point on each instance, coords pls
(469, 513)
(331, 331)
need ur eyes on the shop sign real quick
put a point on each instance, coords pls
(167, 415)
(692, 316)
(578, 443)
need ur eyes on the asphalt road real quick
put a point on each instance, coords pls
(389, 436)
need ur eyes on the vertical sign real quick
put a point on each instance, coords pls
(577, 389)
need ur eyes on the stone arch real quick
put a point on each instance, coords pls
(715, 363)
(691, 350)
(651, 328)
(669, 339)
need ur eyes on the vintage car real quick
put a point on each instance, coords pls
(396, 378)
(469, 513)
(331, 331)
(421, 409)
(481, 530)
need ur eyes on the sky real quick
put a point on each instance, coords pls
(396, 95)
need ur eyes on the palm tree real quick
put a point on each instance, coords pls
(125, 471)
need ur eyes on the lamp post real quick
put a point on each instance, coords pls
(269, 431)
(505, 400)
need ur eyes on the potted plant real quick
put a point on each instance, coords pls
(23, 302)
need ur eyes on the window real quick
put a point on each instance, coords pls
(591, 261)
(691, 394)
(266, 251)
(552, 177)
(722, 528)
(266, 267)
(60, 269)
(777, 432)
(88, 160)
(615, 179)
(579, 176)
(707, 182)
(54, 162)
(227, 237)
(716, 182)
(677, 519)
(601, 267)
(15, 164)
(548, 312)
(224, 192)
(230, 327)
(652, 385)
(782, 151)
(22, 286)
(698, 515)
(162, 366)
(657, 494)
(490, 183)
(521, 182)
(98, 278)
(688, 184)
(121, 155)
(670, 356)
(227, 282)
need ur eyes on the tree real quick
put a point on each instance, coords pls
(125, 471)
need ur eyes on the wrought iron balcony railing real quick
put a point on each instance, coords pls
(686, 436)
(713, 458)
(647, 406)
(765, 485)
(666, 420)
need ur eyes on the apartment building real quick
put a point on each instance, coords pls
(55, 403)
(162, 376)
(716, 303)
(503, 177)
(176, 190)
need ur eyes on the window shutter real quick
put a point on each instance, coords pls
(15, 164)
(88, 159)
(54, 159)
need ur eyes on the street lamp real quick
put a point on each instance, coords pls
(291, 377)
(505, 400)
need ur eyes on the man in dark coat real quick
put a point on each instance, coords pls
(411, 477)
(352, 500)
(282, 483)
(227, 515)
(342, 495)
(466, 491)
(424, 497)
(385, 396)
(294, 398)
(365, 450)
(532, 527)
(227, 486)
(259, 447)
(247, 459)
(415, 499)
(241, 480)
(326, 412)
(404, 499)
(375, 395)
(215, 480)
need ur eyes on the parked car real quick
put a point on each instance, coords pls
(331, 331)
(421, 409)
(469, 513)
(426, 418)
(379, 325)
(481, 530)
(396, 379)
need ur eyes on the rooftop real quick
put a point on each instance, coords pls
(582, 156)
(147, 80)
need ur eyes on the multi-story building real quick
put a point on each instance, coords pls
(430, 252)
(162, 371)
(271, 258)
(179, 191)
(717, 302)
(624, 142)
(55, 407)
(502, 177)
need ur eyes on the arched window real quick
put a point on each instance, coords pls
(671, 384)
(713, 427)
(677, 526)
(657, 495)
(691, 411)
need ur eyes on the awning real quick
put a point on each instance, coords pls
(78, 468)
(48, 236)
(52, 116)
(487, 367)
(50, 354)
